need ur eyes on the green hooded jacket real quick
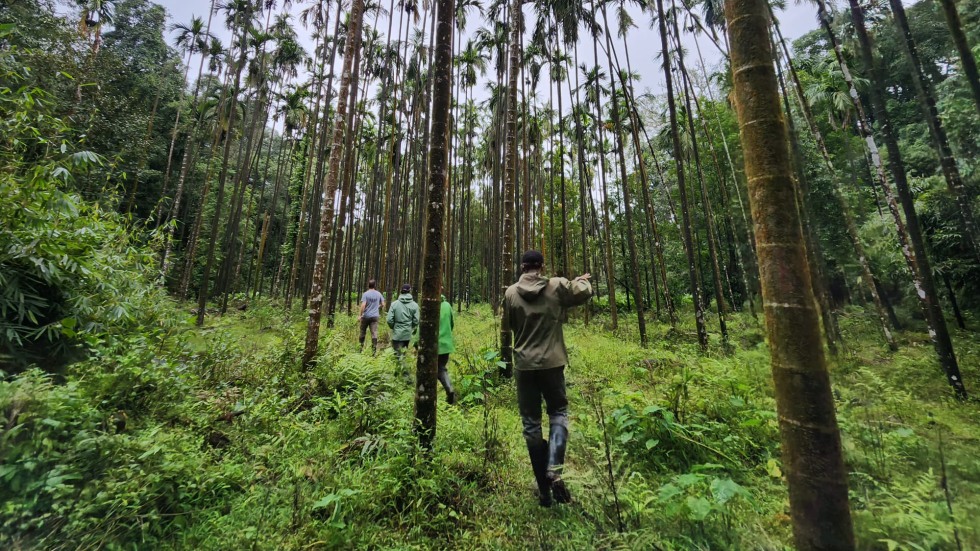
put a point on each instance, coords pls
(535, 309)
(403, 317)
(446, 324)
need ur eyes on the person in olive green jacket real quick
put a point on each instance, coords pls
(447, 346)
(403, 319)
(534, 310)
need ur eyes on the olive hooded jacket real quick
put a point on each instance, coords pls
(535, 309)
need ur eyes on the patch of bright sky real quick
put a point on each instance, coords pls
(643, 41)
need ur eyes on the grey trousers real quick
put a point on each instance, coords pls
(534, 385)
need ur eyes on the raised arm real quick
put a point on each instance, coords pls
(575, 292)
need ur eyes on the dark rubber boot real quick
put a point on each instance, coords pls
(374, 347)
(558, 441)
(538, 451)
(450, 393)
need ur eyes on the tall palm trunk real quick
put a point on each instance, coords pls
(713, 242)
(810, 240)
(627, 195)
(746, 262)
(507, 264)
(656, 243)
(427, 366)
(686, 222)
(176, 130)
(812, 455)
(922, 271)
(350, 178)
(203, 291)
(333, 169)
(606, 222)
(927, 101)
(963, 48)
(867, 277)
(864, 128)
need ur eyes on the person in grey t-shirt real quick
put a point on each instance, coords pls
(372, 302)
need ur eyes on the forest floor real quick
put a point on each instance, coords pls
(213, 438)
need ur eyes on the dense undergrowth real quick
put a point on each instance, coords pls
(215, 439)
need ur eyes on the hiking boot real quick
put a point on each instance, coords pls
(450, 397)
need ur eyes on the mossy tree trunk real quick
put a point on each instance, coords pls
(812, 455)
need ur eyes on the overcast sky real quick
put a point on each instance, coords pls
(644, 43)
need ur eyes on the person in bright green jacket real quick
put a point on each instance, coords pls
(403, 319)
(446, 347)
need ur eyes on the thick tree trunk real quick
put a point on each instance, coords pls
(812, 455)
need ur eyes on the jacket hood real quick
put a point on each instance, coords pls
(406, 298)
(531, 285)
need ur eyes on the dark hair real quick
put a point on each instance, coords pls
(372, 284)
(532, 260)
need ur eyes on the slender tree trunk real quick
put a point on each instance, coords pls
(927, 101)
(627, 196)
(867, 276)
(202, 299)
(812, 455)
(963, 48)
(692, 267)
(353, 44)
(922, 271)
(713, 242)
(507, 264)
(427, 366)
(810, 239)
(350, 179)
